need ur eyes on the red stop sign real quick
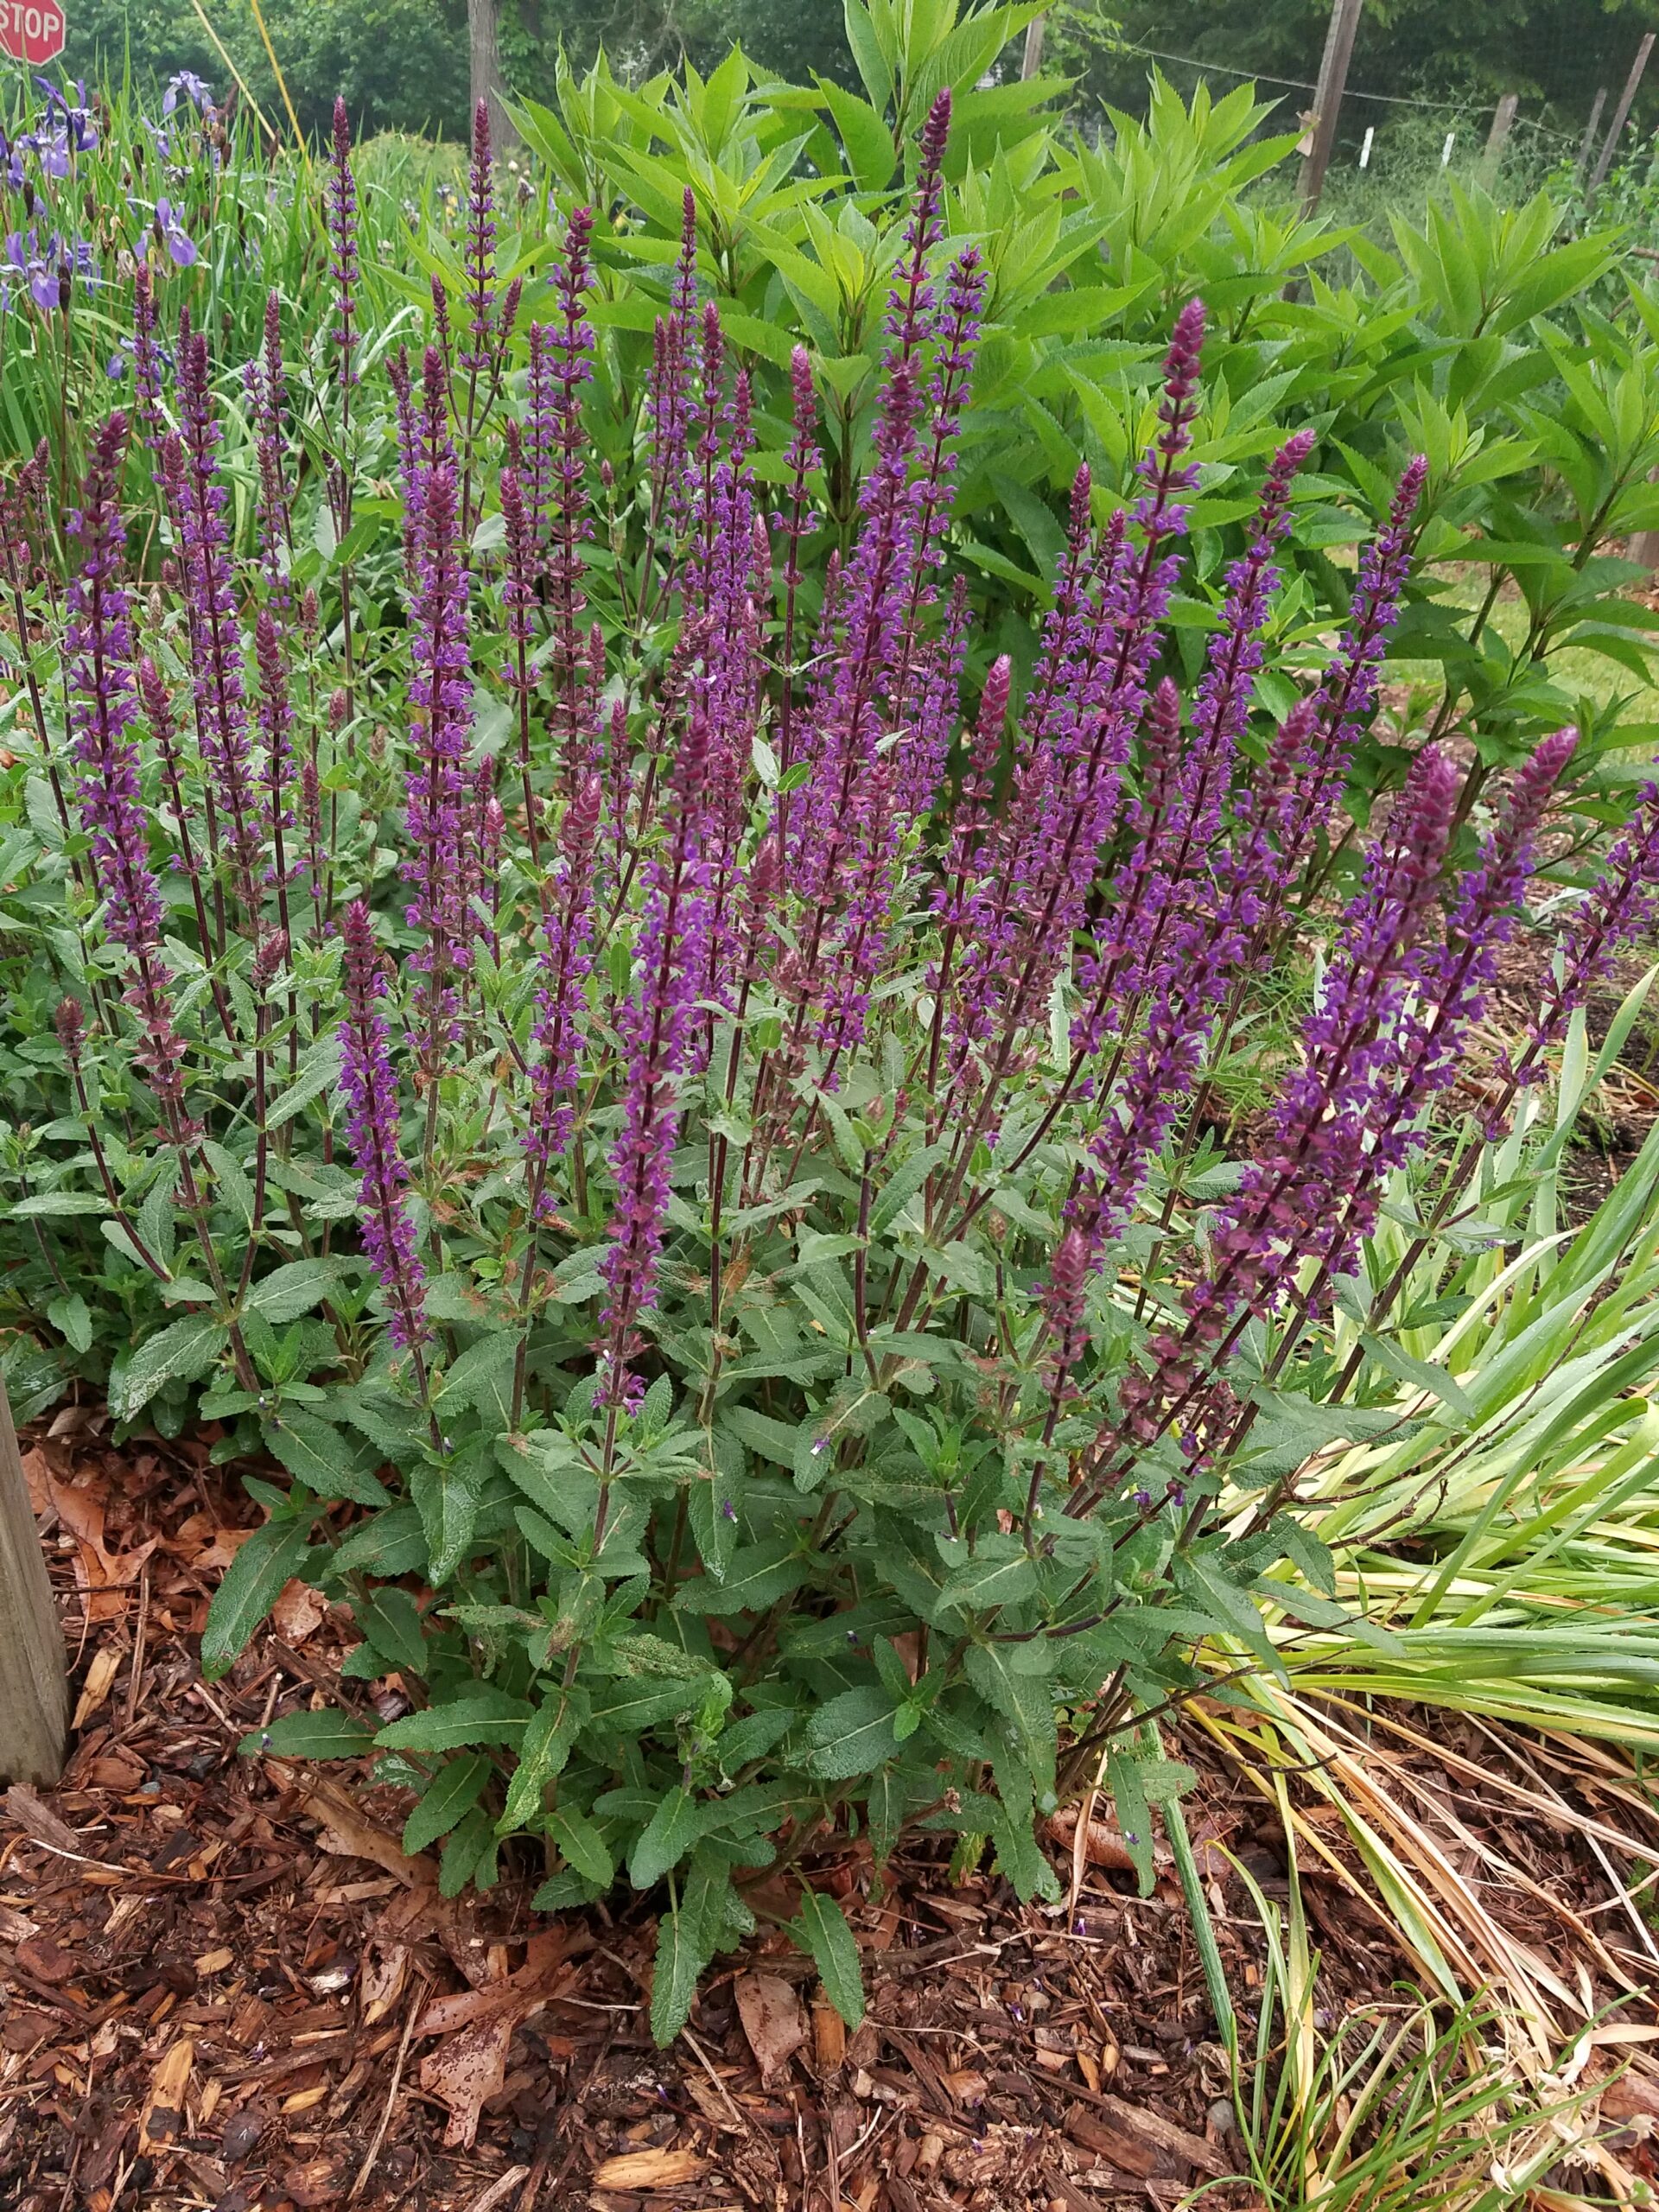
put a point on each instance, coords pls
(31, 30)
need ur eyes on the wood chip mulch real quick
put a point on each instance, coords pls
(222, 1985)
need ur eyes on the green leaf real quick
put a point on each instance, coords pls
(689, 1937)
(454, 1790)
(482, 1376)
(1000, 1573)
(49, 1205)
(480, 1715)
(391, 1543)
(1126, 1771)
(582, 1846)
(329, 1735)
(1025, 1700)
(871, 154)
(822, 1932)
(324, 1458)
(183, 1350)
(1421, 1376)
(542, 1756)
(867, 54)
(292, 1290)
(262, 1569)
(392, 1622)
(853, 1734)
(758, 1576)
(665, 1838)
(469, 1846)
(448, 1504)
(72, 1318)
(319, 1070)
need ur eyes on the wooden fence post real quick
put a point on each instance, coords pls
(1588, 145)
(1610, 145)
(1503, 121)
(1327, 98)
(34, 1683)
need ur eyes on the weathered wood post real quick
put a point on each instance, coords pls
(34, 1683)
(1327, 98)
(1503, 121)
(1609, 144)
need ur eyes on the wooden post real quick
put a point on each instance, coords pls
(1327, 98)
(1503, 123)
(484, 56)
(1621, 113)
(1587, 143)
(34, 1683)
(1032, 59)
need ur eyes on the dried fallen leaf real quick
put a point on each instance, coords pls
(346, 1833)
(163, 2119)
(465, 2072)
(773, 2019)
(38, 1476)
(298, 1612)
(650, 2170)
(515, 1994)
(1103, 1845)
(106, 1665)
(104, 1577)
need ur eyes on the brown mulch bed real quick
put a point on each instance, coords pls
(222, 1985)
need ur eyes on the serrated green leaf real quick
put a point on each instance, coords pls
(453, 1792)
(183, 1350)
(822, 1932)
(329, 1735)
(852, 1734)
(672, 1831)
(480, 1715)
(253, 1582)
(324, 1458)
(580, 1843)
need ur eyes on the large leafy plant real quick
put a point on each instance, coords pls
(605, 1032)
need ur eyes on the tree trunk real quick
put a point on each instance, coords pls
(34, 1686)
(484, 54)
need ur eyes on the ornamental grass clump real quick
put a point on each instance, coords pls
(685, 1077)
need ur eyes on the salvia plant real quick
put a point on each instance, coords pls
(670, 1102)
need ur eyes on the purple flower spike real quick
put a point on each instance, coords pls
(1618, 910)
(440, 693)
(340, 197)
(1309, 1196)
(476, 355)
(190, 466)
(656, 1028)
(371, 1091)
(98, 651)
(561, 1001)
(147, 358)
(1063, 1301)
